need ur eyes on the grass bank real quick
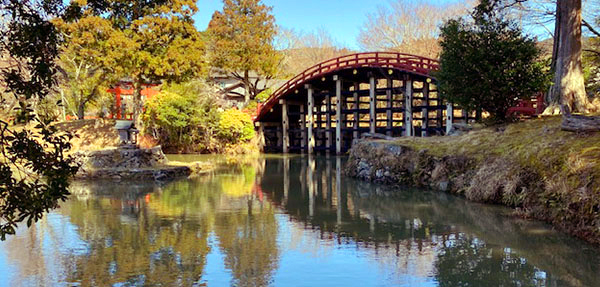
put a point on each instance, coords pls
(533, 166)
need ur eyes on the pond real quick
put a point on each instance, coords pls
(286, 221)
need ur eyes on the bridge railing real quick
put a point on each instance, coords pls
(416, 64)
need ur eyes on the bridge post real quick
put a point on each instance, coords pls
(425, 111)
(328, 119)
(356, 132)
(302, 128)
(449, 117)
(311, 105)
(389, 113)
(408, 114)
(338, 114)
(261, 136)
(279, 137)
(285, 124)
(372, 105)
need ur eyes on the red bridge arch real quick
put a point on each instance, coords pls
(407, 63)
(329, 105)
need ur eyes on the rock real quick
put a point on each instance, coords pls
(127, 163)
(459, 129)
(376, 136)
(443, 185)
(579, 123)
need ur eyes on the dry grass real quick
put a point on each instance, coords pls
(91, 134)
(538, 144)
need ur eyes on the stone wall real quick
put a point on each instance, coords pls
(387, 163)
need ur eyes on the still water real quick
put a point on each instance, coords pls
(286, 221)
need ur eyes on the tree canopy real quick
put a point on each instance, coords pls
(241, 43)
(408, 27)
(34, 170)
(89, 60)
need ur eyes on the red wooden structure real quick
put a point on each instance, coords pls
(528, 108)
(125, 88)
(405, 62)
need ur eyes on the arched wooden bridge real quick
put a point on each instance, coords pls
(332, 103)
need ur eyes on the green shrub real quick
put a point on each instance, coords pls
(235, 126)
(183, 118)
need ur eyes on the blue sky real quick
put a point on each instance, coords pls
(341, 18)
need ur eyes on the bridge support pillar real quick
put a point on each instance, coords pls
(389, 113)
(356, 132)
(372, 106)
(408, 114)
(311, 105)
(285, 124)
(302, 128)
(261, 136)
(425, 111)
(328, 133)
(449, 117)
(338, 114)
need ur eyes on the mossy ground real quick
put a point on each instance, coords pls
(534, 166)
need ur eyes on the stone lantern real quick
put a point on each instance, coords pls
(127, 133)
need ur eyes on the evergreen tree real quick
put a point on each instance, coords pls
(486, 63)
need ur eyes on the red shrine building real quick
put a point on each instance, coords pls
(123, 93)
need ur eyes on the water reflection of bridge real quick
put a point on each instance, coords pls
(410, 223)
(330, 104)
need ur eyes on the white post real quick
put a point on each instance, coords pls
(338, 114)
(389, 114)
(372, 103)
(408, 115)
(449, 117)
(328, 124)
(311, 105)
(285, 124)
(303, 128)
(425, 111)
(356, 134)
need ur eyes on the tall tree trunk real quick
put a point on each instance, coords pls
(63, 104)
(137, 102)
(246, 88)
(568, 90)
(81, 110)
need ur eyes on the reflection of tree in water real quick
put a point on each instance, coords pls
(160, 248)
(467, 261)
(159, 235)
(249, 240)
